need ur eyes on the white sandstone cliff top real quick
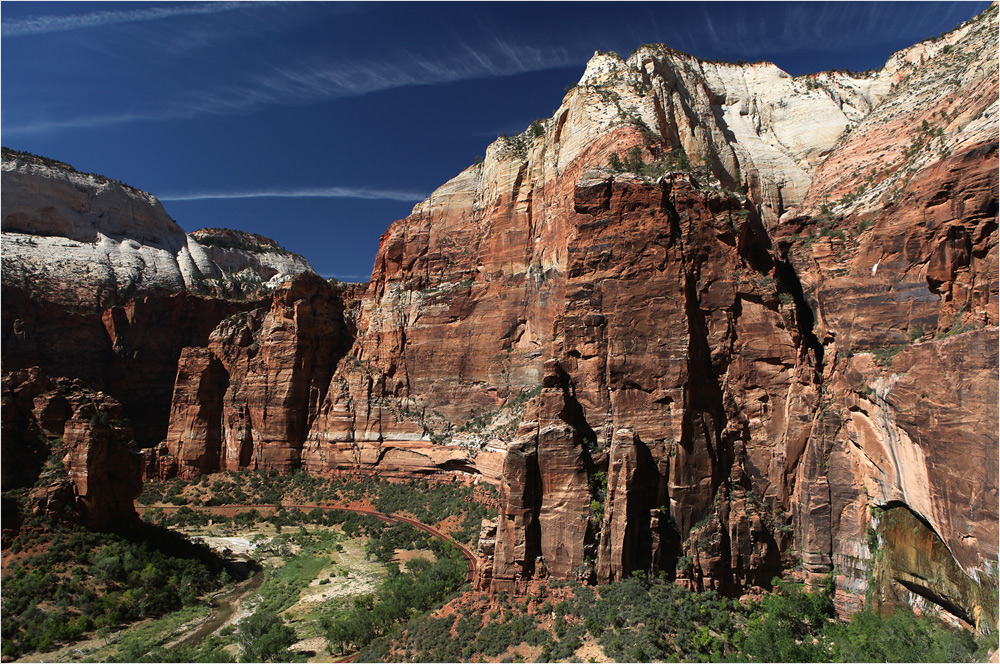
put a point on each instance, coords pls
(71, 233)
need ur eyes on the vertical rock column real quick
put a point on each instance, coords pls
(105, 469)
(279, 363)
(545, 525)
(194, 435)
(628, 533)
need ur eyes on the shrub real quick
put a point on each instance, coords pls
(675, 160)
(264, 637)
(514, 146)
(884, 355)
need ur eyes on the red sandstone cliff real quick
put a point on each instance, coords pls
(247, 400)
(712, 342)
(69, 448)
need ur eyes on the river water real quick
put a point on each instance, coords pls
(223, 607)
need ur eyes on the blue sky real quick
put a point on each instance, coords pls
(319, 124)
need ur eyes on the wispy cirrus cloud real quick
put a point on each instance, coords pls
(93, 121)
(38, 25)
(316, 80)
(820, 25)
(308, 192)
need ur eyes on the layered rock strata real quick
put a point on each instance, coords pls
(65, 232)
(248, 258)
(85, 240)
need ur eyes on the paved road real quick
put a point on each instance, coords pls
(466, 552)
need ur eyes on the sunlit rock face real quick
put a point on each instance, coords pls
(86, 240)
(716, 365)
(716, 345)
(239, 254)
(66, 232)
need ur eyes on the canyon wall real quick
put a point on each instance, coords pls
(707, 319)
(100, 284)
(87, 241)
(68, 449)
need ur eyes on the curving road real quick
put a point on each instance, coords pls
(466, 552)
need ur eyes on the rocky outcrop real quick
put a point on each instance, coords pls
(713, 346)
(87, 241)
(923, 265)
(104, 468)
(897, 258)
(632, 536)
(279, 363)
(100, 284)
(69, 447)
(665, 287)
(249, 257)
(128, 350)
(247, 400)
(65, 232)
(913, 566)
(545, 525)
(943, 101)
(194, 438)
(915, 432)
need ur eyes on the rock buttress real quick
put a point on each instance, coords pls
(71, 448)
(545, 526)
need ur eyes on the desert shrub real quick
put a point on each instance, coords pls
(402, 594)
(898, 637)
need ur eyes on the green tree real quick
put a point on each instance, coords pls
(107, 565)
(787, 625)
(899, 637)
(341, 633)
(264, 637)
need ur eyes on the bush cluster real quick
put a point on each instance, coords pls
(673, 161)
(427, 502)
(514, 146)
(85, 580)
(211, 649)
(420, 587)
(640, 620)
